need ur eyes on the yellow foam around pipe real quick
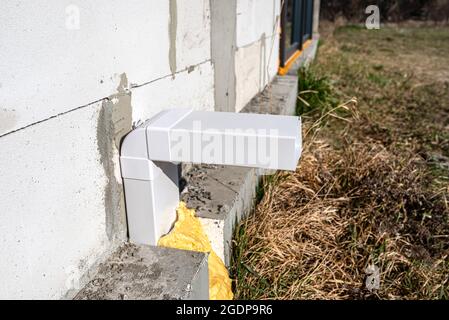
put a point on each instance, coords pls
(188, 234)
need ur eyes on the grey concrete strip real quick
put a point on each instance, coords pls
(279, 97)
(213, 190)
(146, 272)
(223, 46)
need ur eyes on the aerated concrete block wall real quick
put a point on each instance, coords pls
(257, 42)
(74, 77)
(245, 49)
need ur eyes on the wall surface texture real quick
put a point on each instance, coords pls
(257, 41)
(245, 49)
(74, 76)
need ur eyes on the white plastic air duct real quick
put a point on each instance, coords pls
(150, 154)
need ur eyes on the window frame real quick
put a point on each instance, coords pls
(302, 21)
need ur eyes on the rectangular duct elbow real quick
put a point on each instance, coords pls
(223, 138)
(185, 135)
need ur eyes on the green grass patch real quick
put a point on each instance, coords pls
(314, 93)
(372, 186)
(378, 79)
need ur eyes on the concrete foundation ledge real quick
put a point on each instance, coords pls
(221, 196)
(150, 273)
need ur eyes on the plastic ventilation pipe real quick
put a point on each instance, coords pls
(150, 154)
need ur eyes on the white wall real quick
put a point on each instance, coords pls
(54, 82)
(194, 89)
(54, 69)
(68, 94)
(257, 54)
(52, 221)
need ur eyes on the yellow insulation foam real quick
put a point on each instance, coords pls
(188, 234)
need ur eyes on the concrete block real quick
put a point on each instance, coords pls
(57, 216)
(150, 273)
(88, 45)
(193, 88)
(255, 19)
(223, 31)
(221, 196)
(192, 36)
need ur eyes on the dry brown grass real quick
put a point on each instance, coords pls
(362, 196)
(317, 230)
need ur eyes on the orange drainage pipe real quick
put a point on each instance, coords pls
(283, 70)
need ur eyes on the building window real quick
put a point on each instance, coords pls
(296, 28)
